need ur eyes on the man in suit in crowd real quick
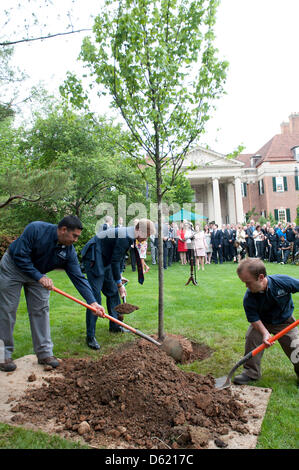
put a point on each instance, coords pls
(217, 244)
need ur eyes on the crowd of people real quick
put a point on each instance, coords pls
(228, 243)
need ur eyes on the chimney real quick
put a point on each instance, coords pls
(254, 160)
(294, 123)
(284, 128)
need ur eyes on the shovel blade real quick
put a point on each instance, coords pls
(222, 382)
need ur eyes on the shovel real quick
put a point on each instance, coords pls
(225, 382)
(127, 327)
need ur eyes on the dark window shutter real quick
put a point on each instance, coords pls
(276, 214)
(296, 182)
(263, 189)
(274, 184)
(285, 183)
(288, 215)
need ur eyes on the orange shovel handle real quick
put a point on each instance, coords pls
(275, 337)
(93, 309)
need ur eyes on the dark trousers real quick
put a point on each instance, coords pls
(260, 249)
(108, 287)
(251, 248)
(273, 252)
(170, 255)
(217, 252)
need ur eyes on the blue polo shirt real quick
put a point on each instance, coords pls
(37, 252)
(275, 304)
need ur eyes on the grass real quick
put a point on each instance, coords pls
(210, 313)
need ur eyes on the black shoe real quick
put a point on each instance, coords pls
(92, 343)
(118, 330)
(49, 361)
(243, 379)
(8, 365)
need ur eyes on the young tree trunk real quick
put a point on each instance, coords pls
(161, 333)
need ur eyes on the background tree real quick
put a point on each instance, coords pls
(157, 61)
(84, 146)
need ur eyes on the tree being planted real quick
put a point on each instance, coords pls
(157, 61)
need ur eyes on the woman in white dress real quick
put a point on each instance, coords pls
(209, 249)
(200, 247)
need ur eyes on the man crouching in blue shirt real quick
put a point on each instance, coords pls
(269, 308)
(41, 248)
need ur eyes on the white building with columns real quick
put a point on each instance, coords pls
(217, 182)
(266, 182)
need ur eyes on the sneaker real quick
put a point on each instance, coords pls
(8, 365)
(243, 379)
(49, 361)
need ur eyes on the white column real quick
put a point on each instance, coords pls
(217, 205)
(210, 202)
(231, 203)
(239, 201)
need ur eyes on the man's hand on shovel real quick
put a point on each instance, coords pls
(100, 311)
(46, 282)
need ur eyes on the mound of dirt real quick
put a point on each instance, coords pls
(137, 396)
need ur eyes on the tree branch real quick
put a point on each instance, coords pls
(11, 198)
(10, 43)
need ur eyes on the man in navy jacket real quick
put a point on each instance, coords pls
(102, 258)
(269, 307)
(41, 248)
(217, 244)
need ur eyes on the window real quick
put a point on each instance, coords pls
(297, 182)
(244, 189)
(280, 184)
(281, 215)
(296, 153)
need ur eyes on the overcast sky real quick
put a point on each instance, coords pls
(259, 38)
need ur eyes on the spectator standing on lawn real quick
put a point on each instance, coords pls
(209, 249)
(273, 241)
(259, 237)
(200, 246)
(269, 307)
(290, 233)
(41, 248)
(182, 245)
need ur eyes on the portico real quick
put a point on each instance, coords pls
(217, 182)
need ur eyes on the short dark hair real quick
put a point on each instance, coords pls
(254, 266)
(71, 222)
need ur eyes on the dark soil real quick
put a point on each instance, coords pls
(136, 397)
(126, 308)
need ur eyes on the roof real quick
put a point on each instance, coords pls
(245, 158)
(278, 149)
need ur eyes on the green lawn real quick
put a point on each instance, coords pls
(210, 313)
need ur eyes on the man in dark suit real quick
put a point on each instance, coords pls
(217, 244)
(102, 257)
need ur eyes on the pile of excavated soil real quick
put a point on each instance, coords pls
(136, 396)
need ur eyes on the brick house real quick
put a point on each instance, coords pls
(270, 182)
(267, 181)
